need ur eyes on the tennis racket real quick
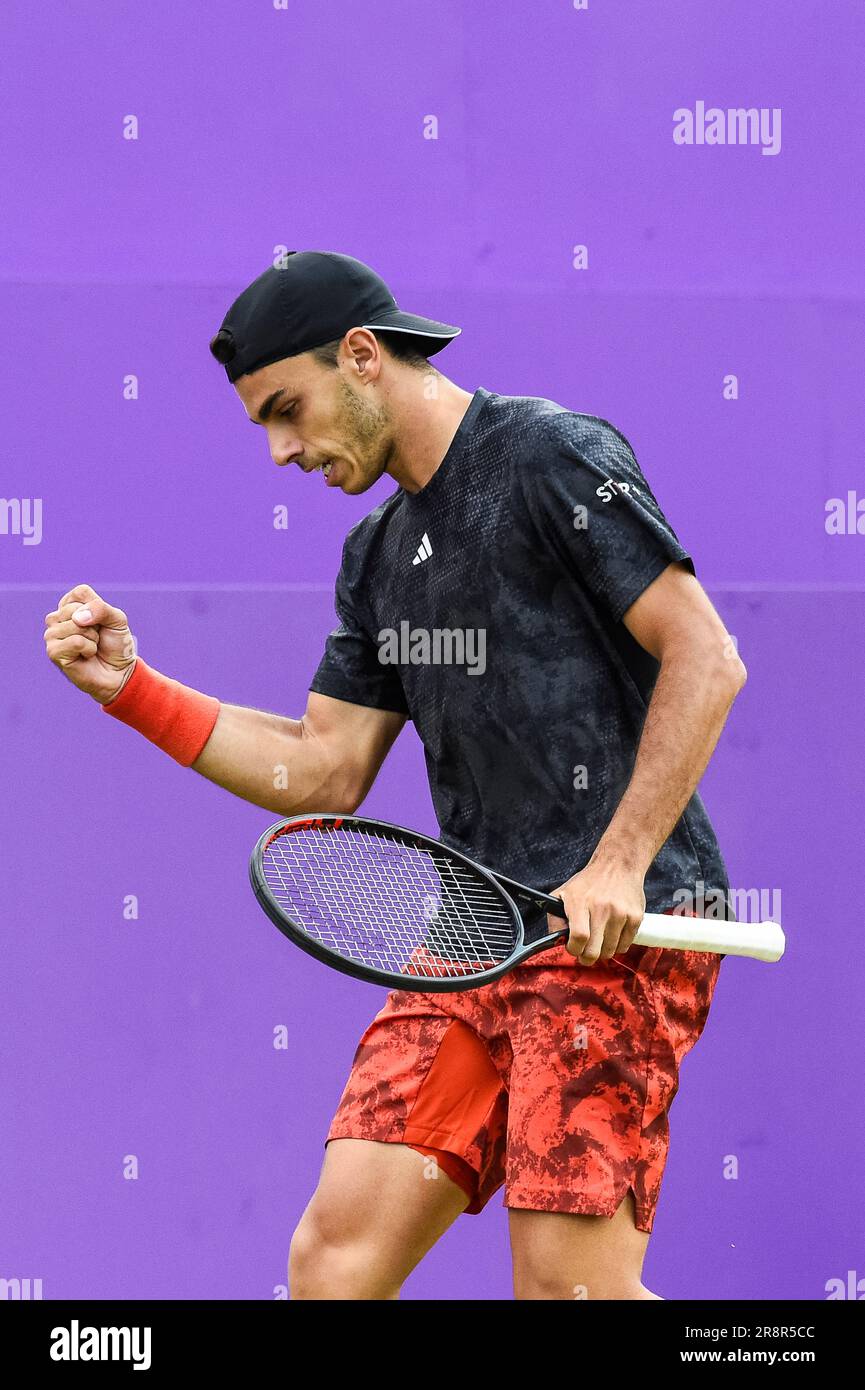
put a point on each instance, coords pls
(397, 908)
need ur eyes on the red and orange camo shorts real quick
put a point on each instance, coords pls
(555, 1080)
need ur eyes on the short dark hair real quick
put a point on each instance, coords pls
(401, 346)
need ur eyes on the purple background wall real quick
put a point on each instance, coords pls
(304, 127)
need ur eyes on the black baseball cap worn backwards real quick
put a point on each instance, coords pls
(310, 298)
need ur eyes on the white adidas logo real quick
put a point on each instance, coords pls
(424, 550)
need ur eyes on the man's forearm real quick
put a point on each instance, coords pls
(272, 761)
(692, 697)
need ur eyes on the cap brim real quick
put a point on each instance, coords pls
(397, 321)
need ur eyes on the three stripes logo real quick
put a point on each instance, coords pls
(424, 550)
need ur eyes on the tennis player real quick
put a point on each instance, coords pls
(522, 599)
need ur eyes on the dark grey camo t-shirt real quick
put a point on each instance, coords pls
(487, 607)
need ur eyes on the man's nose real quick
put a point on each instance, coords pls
(283, 454)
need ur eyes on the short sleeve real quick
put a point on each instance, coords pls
(350, 669)
(591, 506)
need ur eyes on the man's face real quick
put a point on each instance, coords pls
(315, 416)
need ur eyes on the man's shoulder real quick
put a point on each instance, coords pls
(590, 436)
(546, 422)
(528, 415)
(557, 449)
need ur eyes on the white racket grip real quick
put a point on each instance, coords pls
(760, 940)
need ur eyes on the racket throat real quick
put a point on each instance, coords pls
(530, 897)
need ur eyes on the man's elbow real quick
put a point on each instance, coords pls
(720, 663)
(723, 671)
(734, 673)
(723, 660)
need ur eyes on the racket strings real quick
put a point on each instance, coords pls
(388, 904)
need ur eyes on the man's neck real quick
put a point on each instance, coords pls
(425, 428)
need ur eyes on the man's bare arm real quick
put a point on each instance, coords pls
(325, 761)
(699, 677)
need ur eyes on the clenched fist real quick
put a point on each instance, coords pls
(91, 643)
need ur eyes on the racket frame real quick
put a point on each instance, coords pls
(508, 890)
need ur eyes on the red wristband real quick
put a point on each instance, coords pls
(176, 718)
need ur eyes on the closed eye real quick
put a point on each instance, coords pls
(289, 411)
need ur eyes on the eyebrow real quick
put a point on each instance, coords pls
(267, 406)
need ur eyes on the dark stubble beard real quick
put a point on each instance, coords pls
(367, 427)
